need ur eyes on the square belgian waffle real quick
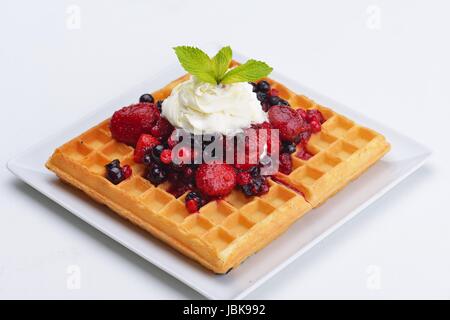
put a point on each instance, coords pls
(227, 231)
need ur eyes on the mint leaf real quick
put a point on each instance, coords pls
(252, 70)
(197, 63)
(221, 62)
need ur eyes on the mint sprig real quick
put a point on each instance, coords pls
(216, 70)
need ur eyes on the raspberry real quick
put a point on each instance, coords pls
(130, 122)
(127, 171)
(162, 128)
(287, 121)
(166, 156)
(216, 180)
(192, 206)
(243, 178)
(316, 115)
(145, 143)
(315, 126)
(302, 113)
(285, 163)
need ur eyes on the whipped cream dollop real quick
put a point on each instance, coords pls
(200, 107)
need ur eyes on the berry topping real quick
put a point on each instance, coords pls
(130, 122)
(166, 156)
(146, 98)
(274, 100)
(243, 178)
(287, 121)
(261, 96)
(263, 86)
(314, 114)
(156, 174)
(156, 152)
(162, 128)
(113, 164)
(315, 126)
(145, 143)
(192, 206)
(288, 147)
(159, 105)
(194, 201)
(115, 173)
(127, 171)
(285, 163)
(216, 180)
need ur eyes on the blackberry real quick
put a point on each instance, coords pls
(156, 174)
(288, 147)
(115, 175)
(263, 86)
(156, 152)
(146, 98)
(113, 164)
(261, 96)
(159, 105)
(274, 100)
(147, 159)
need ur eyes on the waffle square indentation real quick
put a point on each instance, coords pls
(136, 186)
(324, 162)
(321, 140)
(95, 139)
(278, 195)
(175, 211)
(197, 224)
(237, 224)
(307, 175)
(96, 163)
(338, 126)
(342, 150)
(257, 210)
(76, 150)
(117, 150)
(360, 136)
(219, 238)
(156, 199)
(216, 211)
(238, 199)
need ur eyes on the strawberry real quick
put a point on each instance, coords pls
(289, 123)
(162, 128)
(128, 123)
(215, 180)
(145, 143)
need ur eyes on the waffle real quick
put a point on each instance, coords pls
(227, 231)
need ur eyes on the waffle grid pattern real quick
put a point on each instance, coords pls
(224, 232)
(218, 222)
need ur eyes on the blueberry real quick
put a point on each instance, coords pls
(263, 86)
(156, 174)
(283, 102)
(113, 164)
(255, 172)
(156, 152)
(147, 159)
(159, 105)
(146, 98)
(255, 86)
(247, 189)
(261, 96)
(115, 175)
(274, 100)
(289, 147)
(194, 195)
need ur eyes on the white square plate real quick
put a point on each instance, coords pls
(405, 157)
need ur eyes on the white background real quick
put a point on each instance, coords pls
(389, 59)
